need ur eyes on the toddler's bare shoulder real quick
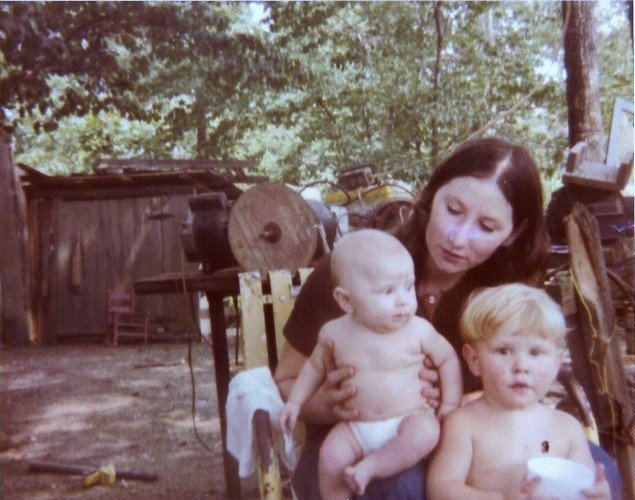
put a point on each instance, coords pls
(563, 420)
(466, 417)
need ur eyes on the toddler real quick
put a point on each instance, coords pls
(514, 341)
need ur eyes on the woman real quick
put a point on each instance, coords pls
(479, 222)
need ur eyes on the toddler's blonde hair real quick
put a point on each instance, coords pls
(535, 312)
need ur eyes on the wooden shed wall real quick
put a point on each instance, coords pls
(81, 249)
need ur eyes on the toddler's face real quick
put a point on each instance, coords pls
(387, 300)
(517, 370)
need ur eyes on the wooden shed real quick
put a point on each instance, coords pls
(88, 234)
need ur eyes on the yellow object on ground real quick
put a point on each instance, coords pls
(104, 475)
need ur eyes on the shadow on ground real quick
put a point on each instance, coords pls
(95, 405)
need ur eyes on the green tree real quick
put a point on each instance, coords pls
(93, 42)
(397, 84)
(184, 69)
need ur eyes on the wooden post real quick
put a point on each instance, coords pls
(583, 77)
(604, 364)
(14, 270)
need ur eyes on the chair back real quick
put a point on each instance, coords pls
(265, 304)
(120, 303)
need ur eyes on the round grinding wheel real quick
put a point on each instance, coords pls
(272, 227)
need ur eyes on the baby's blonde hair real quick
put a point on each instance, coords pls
(358, 251)
(489, 309)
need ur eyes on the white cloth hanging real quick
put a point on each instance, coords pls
(249, 391)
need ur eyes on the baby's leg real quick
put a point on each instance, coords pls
(339, 450)
(417, 435)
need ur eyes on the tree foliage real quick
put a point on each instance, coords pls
(311, 89)
(94, 42)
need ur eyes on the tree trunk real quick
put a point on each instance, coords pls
(435, 83)
(583, 77)
(201, 129)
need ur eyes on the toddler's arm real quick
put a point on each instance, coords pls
(579, 452)
(448, 471)
(446, 360)
(309, 379)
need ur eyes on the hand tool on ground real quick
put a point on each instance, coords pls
(104, 475)
(95, 473)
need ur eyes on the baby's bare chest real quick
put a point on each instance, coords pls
(379, 353)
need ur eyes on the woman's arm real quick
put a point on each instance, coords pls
(325, 404)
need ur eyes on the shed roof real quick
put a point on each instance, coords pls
(135, 179)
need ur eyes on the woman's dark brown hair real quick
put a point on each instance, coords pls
(524, 260)
(518, 179)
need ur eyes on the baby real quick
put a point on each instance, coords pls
(382, 339)
(514, 341)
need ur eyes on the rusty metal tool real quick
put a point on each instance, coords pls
(87, 471)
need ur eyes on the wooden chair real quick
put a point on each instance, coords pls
(123, 320)
(265, 303)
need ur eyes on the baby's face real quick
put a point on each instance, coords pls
(517, 370)
(385, 299)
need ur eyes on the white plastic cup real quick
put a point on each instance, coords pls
(559, 477)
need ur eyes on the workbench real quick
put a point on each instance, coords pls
(216, 285)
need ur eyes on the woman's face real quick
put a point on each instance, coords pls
(470, 218)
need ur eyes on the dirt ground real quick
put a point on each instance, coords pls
(96, 405)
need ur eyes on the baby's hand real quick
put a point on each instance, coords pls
(445, 408)
(600, 488)
(289, 417)
(528, 490)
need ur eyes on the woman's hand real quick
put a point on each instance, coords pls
(429, 377)
(336, 395)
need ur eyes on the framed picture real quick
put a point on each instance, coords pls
(616, 172)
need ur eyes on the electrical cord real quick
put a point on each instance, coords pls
(193, 386)
(189, 358)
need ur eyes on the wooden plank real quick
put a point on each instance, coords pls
(282, 301)
(35, 267)
(14, 281)
(97, 189)
(611, 400)
(96, 247)
(73, 304)
(50, 225)
(254, 339)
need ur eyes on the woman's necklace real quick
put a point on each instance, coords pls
(432, 298)
(429, 295)
(430, 289)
